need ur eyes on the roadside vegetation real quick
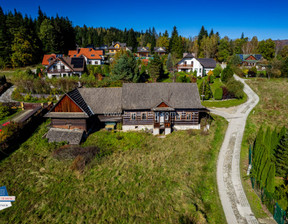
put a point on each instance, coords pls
(271, 112)
(125, 178)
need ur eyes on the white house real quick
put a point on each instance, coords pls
(201, 65)
(65, 67)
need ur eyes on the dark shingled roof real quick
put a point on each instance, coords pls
(103, 100)
(65, 135)
(189, 56)
(207, 62)
(78, 99)
(75, 64)
(160, 49)
(143, 49)
(147, 95)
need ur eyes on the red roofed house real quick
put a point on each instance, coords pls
(91, 56)
(48, 58)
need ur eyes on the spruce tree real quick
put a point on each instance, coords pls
(281, 154)
(169, 63)
(270, 183)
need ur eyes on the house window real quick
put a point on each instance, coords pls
(157, 117)
(178, 117)
(200, 70)
(172, 115)
(62, 67)
(144, 116)
(188, 116)
(166, 116)
(133, 116)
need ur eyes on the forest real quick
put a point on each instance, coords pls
(24, 40)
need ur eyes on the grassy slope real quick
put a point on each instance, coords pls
(271, 111)
(144, 180)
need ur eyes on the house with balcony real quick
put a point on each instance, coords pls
(117, 46)
(159, 108)
(142, 52)
(160, 50)
(191, 64)
(91, 56)
(65, 67)
(48, 58)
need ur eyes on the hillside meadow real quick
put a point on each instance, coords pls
(134, 178)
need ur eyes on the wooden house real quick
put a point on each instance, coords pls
(117, 46)
(250, 59)
(158, 107)
(142, 52)
(160, 50)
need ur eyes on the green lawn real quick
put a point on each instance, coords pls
(271, 111)
(140, 179)
(224, 103)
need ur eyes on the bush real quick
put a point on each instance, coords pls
(4, 111)
(217, 71)
(227, 74)
(211, 78)
(238, 71)
(235, 88)
(252, 72)
(218, 95)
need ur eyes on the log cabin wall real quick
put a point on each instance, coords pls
(183, 121)
(138, 121)
(69, 123)
(66, 105)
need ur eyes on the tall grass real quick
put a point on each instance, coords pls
(141, 179)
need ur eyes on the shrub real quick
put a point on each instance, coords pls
(252, 72)
(217, 71)
(211, 78)
(4, 111)
(226, 74)
(235, 88)
(218, 94)
(238, 71)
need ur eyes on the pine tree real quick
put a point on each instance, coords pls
(203, 33)
(262, 161)
(205, 88)
(211, 33)
(274, 143)
(169, 63)
(281, 154)
(156, 68)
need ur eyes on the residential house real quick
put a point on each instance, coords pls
(47, 58)
(250, 59)
(115, 47)
(155, 107)
(142, 52)
(91, 56)
(65, 67)
(201, 65)
(160, 50)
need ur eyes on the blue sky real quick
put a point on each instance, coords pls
(265, 19)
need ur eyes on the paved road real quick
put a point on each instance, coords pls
(233, 198)
(6, 96)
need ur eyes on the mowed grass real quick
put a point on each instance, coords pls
(141, 179)
(272, 111)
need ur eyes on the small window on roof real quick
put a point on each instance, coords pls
(74, 55)
(92, 55)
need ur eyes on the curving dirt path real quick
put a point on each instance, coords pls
(235, 204)
(6, 97)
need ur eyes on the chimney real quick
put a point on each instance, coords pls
(78, 50)
(184, 54)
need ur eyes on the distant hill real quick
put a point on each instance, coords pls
(281, 42)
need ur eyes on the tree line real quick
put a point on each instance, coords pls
(24, 40)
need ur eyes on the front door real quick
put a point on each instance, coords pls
(162, 118)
